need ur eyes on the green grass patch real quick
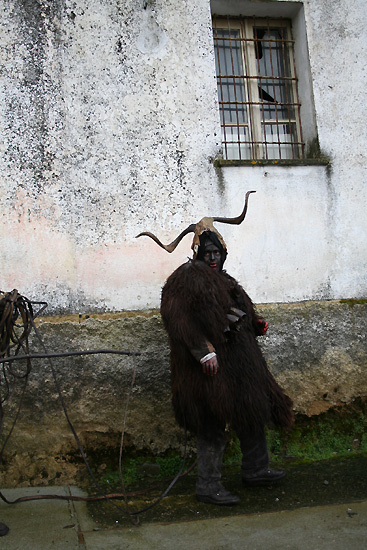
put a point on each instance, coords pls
(353, 302)
(338, 433)
(138, 470)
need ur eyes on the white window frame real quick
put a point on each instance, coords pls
(259, 148)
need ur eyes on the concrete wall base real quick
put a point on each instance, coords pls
(316, 350)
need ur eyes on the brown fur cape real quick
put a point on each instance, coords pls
(194, 307)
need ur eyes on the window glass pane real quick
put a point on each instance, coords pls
(230, 82)
(229, 58)
(274, 73)
(280, 141)
(236, 142)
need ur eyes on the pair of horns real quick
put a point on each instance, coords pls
(191, 228)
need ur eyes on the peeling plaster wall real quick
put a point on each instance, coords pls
(294, 221)
(336, 41)
(109, 124)
(109, 118)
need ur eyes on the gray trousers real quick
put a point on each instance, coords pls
(211, 443)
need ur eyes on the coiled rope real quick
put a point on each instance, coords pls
(13, 340)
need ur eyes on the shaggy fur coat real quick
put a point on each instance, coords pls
(194, 307)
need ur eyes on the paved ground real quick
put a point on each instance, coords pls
(64, 525)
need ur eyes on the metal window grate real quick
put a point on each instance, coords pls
(257, 89)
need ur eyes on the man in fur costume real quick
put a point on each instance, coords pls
(219, 375)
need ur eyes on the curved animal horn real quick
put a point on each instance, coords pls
(240, 218)
(170, 247)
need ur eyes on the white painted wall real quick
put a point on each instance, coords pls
(109, 124)
(336, 39)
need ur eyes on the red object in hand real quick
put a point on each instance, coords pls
(263, 326)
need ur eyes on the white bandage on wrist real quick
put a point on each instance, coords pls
(207, 357)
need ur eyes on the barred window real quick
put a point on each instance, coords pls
(257, 89)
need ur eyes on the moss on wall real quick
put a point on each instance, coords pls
(353, 302)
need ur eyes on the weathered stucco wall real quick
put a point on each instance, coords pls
(108, 121)
(335, 38)
(109, 125)
(316, 350)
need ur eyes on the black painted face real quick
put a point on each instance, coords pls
(212, 256)
(211, 247)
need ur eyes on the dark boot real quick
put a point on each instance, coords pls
(255, 459)
(209, 488)
(220, 498)
(265, 476)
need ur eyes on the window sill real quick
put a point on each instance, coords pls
(286, 162)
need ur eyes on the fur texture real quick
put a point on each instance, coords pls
(194, 307)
